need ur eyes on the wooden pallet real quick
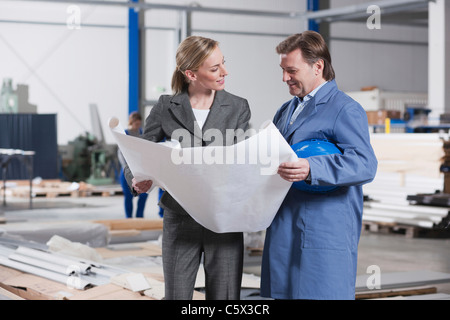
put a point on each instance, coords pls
(104, 191)
(391, 228)
(404, 292)
(58, 188)
(407, 231)
(47, 191)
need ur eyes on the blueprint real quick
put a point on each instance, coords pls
(225, 189)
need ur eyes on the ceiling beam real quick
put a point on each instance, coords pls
(189, 8)
(360, 10)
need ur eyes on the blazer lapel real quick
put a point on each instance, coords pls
(217, 112)
(181, 109)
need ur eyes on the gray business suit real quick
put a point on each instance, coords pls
(184, 240)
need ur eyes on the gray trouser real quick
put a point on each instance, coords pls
(184, 241)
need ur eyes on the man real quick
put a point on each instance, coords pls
(311, 247)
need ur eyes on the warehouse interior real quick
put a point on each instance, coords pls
(68, 67)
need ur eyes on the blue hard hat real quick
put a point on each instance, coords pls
(309, 148)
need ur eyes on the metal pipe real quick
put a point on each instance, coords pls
(134, 52)
(385, 5)
(361, 9)
(191, 8)
(83, 268)
(313, 6)
(242, 33)
(380, 41)
(74, 282)
(63, 24)
(42, 264)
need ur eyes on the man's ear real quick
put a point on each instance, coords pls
(319, 67)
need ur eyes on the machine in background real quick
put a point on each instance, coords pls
(88, 158)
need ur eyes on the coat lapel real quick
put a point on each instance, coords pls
(321, 97)
(310, 109)
(282, 122)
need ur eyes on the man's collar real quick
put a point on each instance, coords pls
(312, 93)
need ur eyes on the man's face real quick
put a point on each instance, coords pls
(301, 77)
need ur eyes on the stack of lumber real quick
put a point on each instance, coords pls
(408, 164)
(58, 188)
(132, 230)
(409, 154)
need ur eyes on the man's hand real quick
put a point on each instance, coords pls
(141, 187)
(294, 171)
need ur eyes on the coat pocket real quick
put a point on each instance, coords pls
(326, 223)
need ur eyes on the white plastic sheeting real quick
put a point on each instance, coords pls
(389, 192)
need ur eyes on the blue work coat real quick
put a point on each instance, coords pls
(311, 247)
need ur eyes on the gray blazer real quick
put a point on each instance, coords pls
(175, 112)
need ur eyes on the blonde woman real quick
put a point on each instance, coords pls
(198, 103)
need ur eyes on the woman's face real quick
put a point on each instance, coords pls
(211, 74)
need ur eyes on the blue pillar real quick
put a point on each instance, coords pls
(133, 59)
(313, 5)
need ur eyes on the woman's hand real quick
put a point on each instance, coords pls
(142, 186)
(294, 171)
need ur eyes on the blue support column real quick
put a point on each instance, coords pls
(313, 5)
(133, 59)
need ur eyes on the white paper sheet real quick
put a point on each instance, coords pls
(225, 189)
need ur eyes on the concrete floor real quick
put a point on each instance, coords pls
(392, 253)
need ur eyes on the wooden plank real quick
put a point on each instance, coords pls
(433, 296)
(394, 280)
(124, 233)
(8, 295)
(139, 249)
(108, 292)
(32, 287)
(419, 154)
(133, 224)
(377, 294)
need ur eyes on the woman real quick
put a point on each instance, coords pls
(134, 129)
(199, 103)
